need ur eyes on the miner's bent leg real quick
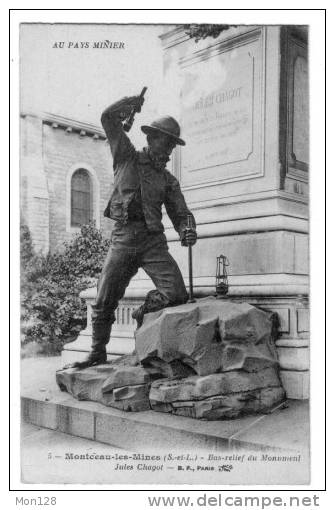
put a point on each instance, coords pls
(165, 273)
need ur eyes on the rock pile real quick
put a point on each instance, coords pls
(123, 383)
(210, 359)
(216, 396)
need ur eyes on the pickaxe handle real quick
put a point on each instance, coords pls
(130, 120)
(190, 263)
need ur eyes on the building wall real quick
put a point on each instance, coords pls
(63, 153)
(34, 187)
(51, 151)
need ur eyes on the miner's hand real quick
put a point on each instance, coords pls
(188, 237)
(128, 105)
(137, 102)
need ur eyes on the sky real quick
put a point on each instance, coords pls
(79, 82)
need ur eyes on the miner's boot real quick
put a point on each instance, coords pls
(101, 330)
(154, 301)
(138, 315)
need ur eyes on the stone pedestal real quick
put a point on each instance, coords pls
(244, 171)
(122, 337)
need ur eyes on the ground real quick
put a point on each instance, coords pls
(101, 435)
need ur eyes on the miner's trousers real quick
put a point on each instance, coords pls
(132, 247)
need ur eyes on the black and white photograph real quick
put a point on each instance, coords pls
(164, 250)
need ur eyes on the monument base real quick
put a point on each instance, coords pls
(210, 359)
(285, 428)
(292, 344)
(132, 388)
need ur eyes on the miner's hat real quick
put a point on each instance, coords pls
(168, 126)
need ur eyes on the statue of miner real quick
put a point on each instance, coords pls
(142, 185)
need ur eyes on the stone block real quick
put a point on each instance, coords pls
(296, 383)
(247, 357)
(302, 320)
(40, 413)
(211, 359)
(226, 406)
(75, 421)
(294, 358)
(210, 335)
(208, 360)
(125, 371)
(175, 368)
(129, 398)
(122, 383)
(201, 387)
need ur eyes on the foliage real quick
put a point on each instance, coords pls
(52, 311)
(203, 31)
(26, 245)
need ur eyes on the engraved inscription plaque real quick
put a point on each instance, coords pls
(221, 112)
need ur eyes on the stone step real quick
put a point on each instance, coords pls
(286, 427)
(59, 411)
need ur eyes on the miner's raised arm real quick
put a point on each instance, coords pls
(111, 120)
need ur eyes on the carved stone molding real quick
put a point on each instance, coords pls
(294, 124)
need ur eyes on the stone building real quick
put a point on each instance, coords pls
(66, 177)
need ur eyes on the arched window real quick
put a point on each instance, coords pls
(81, 198)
